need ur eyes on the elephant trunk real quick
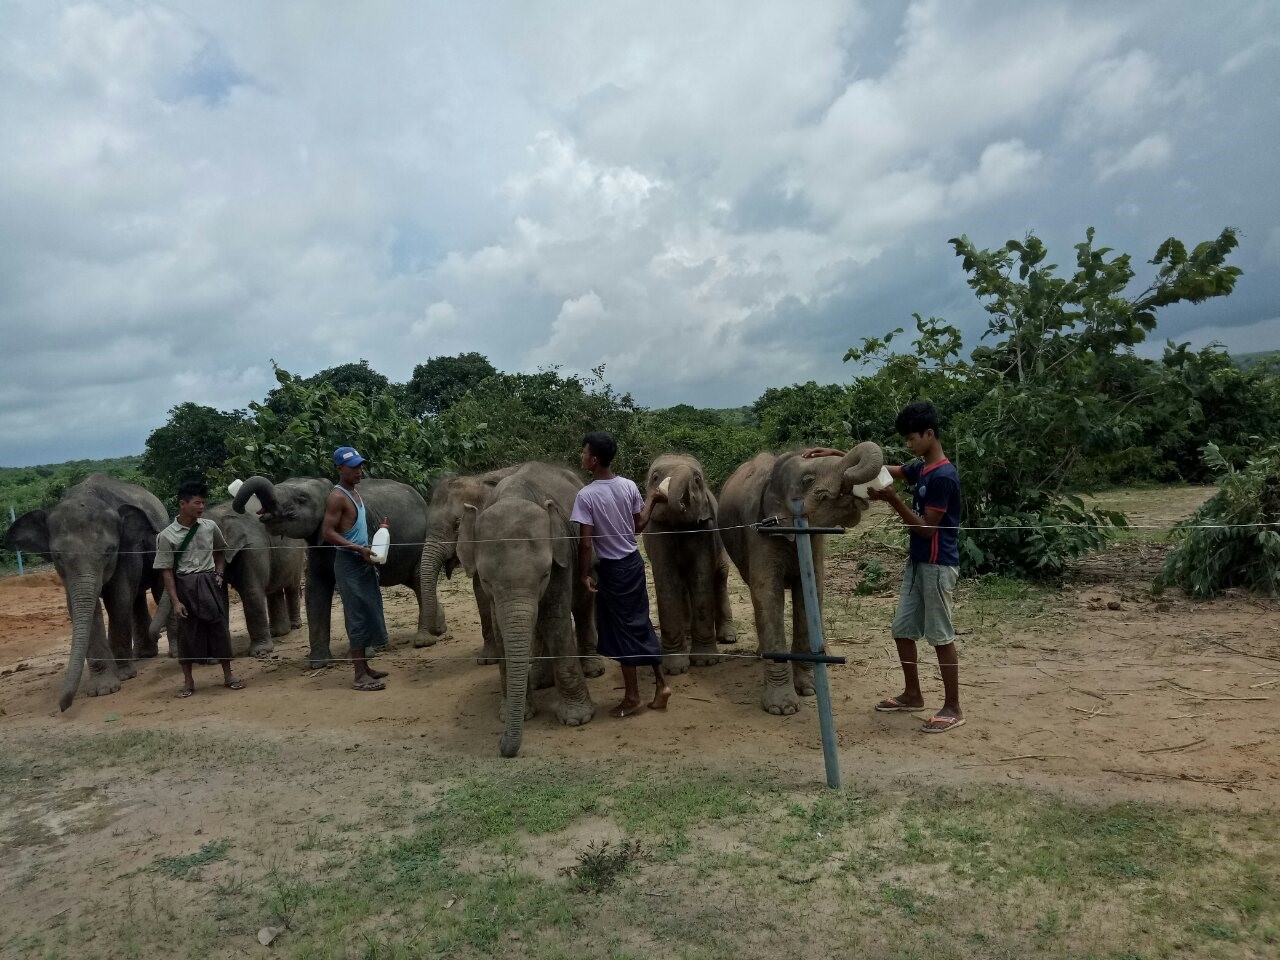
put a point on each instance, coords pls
(516, 619)
(434, 556)
(82, 604)
(263, 488)
(860, 465)
(161, 617)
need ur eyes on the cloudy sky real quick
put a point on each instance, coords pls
(708, 198)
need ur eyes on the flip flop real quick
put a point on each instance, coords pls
(235, 683)
(184, 693)
(949, 723)
(894, 705)
(367, 686)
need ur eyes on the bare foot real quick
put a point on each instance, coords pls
(660, 698)
(376, 674)
(627, 708)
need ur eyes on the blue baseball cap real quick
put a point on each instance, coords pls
(347, 457)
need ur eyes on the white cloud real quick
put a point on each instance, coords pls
(1149, 153)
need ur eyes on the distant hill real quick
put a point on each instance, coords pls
(25, 488)
(1247, 361)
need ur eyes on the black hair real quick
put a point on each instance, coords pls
(917, 417)
(602, 446)
(193, 488)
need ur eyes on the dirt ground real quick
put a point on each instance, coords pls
(1098, 689)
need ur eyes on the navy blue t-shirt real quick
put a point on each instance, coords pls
(936, 488)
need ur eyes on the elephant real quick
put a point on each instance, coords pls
(101, 538)
(266, 571)
(765, 487)
(524, 549)
(444, 515)
(690, 568)
(295, 509)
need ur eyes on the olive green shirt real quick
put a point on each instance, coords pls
(198, 557)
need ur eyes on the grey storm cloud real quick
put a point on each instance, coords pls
(710, 199)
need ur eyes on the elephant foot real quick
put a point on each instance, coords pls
(675, 664)
(280, 631)
(529, 711)
(125, 670)
(100, 683)
(592, 666)
(261, 649)
(802, 676)
(728, 638)
(422, 639)
(779, 699)
(509, 745)
(148, 652)
(544, 677)
(295, 624)
(318, 662)
(488, 655)
(576, 713)
(704, 655)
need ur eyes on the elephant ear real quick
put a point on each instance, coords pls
(237, 540)
(138, 533)
(30, 533)
(775, 499)
(466, 545)
(561, 535)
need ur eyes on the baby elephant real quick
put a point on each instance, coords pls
(690, 567)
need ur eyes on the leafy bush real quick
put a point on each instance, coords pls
(1208, 558)
(309, 420)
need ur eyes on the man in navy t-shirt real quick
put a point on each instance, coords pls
(933, 564)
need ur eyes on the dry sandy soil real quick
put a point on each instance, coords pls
(1097, 688)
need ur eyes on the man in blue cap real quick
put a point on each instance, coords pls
(353, 567)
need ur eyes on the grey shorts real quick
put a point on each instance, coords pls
(924, 605)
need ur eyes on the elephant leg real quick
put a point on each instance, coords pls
(490, 651)
(293, 597)
(320, 586)
(802, 673)
(673, 606)
(278, 613)
(767, 601)
(101, 678)
(726, 632)
(584, 627)
(700, 592)
(559, 640)
(146, 646)
(257, 620)
(119, 606)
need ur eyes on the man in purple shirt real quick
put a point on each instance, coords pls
(611, 512)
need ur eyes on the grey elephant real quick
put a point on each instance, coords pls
(762, 488)
(525, 552)
(690, 568)
(101, 538)
(266, 571)
(295, 508)
(449, 499)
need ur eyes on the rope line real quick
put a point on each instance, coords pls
(742, 526)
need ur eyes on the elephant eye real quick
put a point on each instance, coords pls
(808, 481)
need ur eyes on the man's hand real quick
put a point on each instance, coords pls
(217, 575)
(888, 494)
(822, 452)
(366, 554)
(179, 609)
(589, 584)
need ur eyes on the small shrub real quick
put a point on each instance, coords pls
(600, 865)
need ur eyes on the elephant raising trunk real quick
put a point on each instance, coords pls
(860, 465)
(265, 491)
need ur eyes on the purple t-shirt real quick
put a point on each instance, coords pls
(610, 506)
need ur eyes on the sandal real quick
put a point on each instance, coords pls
(185, 692)
(947, 723)
(235, 683)
(894, 705)
(368, 685)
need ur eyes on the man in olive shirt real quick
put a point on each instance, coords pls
(190, 553)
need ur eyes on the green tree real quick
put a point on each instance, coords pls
(345, 379)
(1047, 393)
(442, 381)
(192, 444)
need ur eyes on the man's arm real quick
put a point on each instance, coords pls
(646, 512)
(584, 555)
(219, 552)
(333, 516)
(922, 526)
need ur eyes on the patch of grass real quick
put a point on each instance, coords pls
(600, 865)
(188, 867)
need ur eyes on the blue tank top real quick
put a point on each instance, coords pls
(359, 532)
